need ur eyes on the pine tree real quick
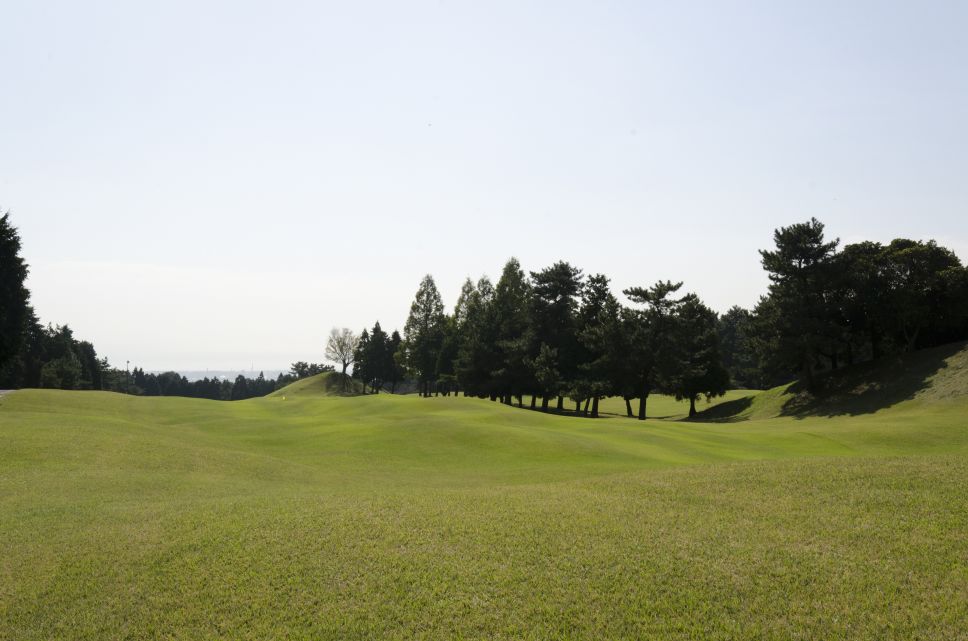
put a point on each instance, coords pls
(362, 365)
(796, 318)
(392, 366)
(652, 337)
(598, 322)
(553, 323)
(510, 306)
(477, 354)
(423, 333)
(375, 357)
(699, 369)
(14, 297)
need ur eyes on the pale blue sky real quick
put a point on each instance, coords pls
(204, 184)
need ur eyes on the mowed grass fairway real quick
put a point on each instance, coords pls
(319, 517)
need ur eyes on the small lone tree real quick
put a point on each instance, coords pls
(341, 348)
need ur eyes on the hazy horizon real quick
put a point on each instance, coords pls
(214, 186)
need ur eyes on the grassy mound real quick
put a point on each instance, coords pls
(927, 377)
(383, 516)
(325, 384)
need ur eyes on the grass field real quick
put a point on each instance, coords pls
(321, 517)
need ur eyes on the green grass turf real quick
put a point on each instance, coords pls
(320, 517)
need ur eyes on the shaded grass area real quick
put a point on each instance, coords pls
(400, 517)
(937, 375)
(659, 406)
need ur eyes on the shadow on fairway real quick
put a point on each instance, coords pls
(728, 412)
(862, 389)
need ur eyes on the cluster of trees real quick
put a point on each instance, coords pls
(32, 355)
(51, 357)
(556, 334)
(827, 309)
(214, 388)
(141, 383)
(376, 362)
(551, 335)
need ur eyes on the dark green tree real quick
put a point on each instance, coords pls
(736, 349)
(14, 297)
(796, 319)
(699, 370)
(510, 316)
(395, 371)
(477, 353)
(423, 334)
(362, 367)
(556, 292)
(375, 357)
(652, 337)
(597, 321)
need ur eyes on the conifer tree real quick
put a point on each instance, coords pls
(423, 333)
(13, 294)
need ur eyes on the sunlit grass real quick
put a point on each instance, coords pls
(402, 517)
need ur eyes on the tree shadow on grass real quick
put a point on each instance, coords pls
(726, 412)
(937, 372)
(870, 387)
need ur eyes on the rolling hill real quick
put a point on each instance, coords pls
(307, 515)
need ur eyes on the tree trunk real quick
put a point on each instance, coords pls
(520, 401)
(807, 368)
(642, 401)
(577, 407)
(595, 407)
(587, 403)
(544, 403)
(534, 400)
(561, 403)
(692, 407)
(628, 406)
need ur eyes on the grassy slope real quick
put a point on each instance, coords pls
(401, 517)
(325, 384)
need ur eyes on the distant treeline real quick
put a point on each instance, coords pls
(216, 389)
(555, 333)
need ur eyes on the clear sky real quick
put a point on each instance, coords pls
(216, 184)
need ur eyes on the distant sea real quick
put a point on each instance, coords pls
(230, 374)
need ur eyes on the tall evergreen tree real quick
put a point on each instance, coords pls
(362, 366)
(423, 333)
(652, 337)
(374, 354)
(797, 318)
(699, 369)
(739, 358)
(510, 307)
(477, 354)
(14, 297)
(392, 366)
(600, 338)
(553, 313)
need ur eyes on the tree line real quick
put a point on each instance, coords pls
(556, 334)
